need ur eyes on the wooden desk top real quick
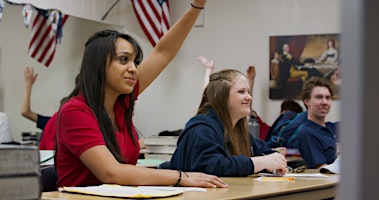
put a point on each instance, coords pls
(245, 188)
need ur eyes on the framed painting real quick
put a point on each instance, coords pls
(296, 58)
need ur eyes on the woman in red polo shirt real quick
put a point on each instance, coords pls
(96, 140)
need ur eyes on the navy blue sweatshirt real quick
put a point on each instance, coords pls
(201, 148)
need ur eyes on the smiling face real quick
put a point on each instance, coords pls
(239, 99)
(121, 75)
(318, 104)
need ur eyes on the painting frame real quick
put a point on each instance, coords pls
(296, 58)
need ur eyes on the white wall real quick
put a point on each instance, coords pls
(236, 34)
(52, 83)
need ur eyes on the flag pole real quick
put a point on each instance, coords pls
(106, 14)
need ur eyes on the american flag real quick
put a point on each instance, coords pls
(46, 32)
(154, 17)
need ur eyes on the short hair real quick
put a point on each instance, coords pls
(313, 82)
(290, 105)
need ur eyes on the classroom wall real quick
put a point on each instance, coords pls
(235, 34)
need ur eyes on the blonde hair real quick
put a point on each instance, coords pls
(216, 96)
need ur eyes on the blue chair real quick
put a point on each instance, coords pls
(49, 178)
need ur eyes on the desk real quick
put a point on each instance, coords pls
(245, 188)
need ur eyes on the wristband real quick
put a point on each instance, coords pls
(177, 184)
(197, 7)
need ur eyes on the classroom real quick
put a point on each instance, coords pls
(177, 90)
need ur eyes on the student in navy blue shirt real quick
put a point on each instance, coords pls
(216, 141)
(317, 140)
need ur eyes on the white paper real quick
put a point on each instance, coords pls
(111, 190)
(296, 175)
(165, 188)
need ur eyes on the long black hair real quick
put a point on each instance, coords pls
(91, 81)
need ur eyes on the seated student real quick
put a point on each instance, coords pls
(290, 105)
(45, 123)
(47, 141)
(250, 72)
(284, 126)
(216, 140)
(317, 141)
(26, 110)
(96, 139)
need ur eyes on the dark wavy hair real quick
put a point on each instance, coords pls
(91, 81)
(216, 96)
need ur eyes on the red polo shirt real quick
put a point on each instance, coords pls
(79, 131)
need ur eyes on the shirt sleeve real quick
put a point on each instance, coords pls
(78, 128)
(260, 147)
(311, 150)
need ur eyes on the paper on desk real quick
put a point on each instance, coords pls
(111, 190)
(165, 188)
(296, 175)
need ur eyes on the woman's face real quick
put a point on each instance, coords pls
(239, 99)
(121, 75)
(330, 43)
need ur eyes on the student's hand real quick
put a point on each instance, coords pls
(280, 172)
(202, 180)
(281, 150)
(276, 162)
(208, 64)
(29, 76)
(251, 72)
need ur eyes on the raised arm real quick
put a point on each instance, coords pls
(168, 46)
(250, 72)
(209, 66)
(29, 77)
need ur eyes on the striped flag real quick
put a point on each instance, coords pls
(154, 17)
(2, 4)
(46, 32)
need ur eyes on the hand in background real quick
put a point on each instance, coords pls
(251, 72)
(209, 64)
(29, 76)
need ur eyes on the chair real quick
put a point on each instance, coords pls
(49, 178)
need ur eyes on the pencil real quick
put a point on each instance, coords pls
(277, 178)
